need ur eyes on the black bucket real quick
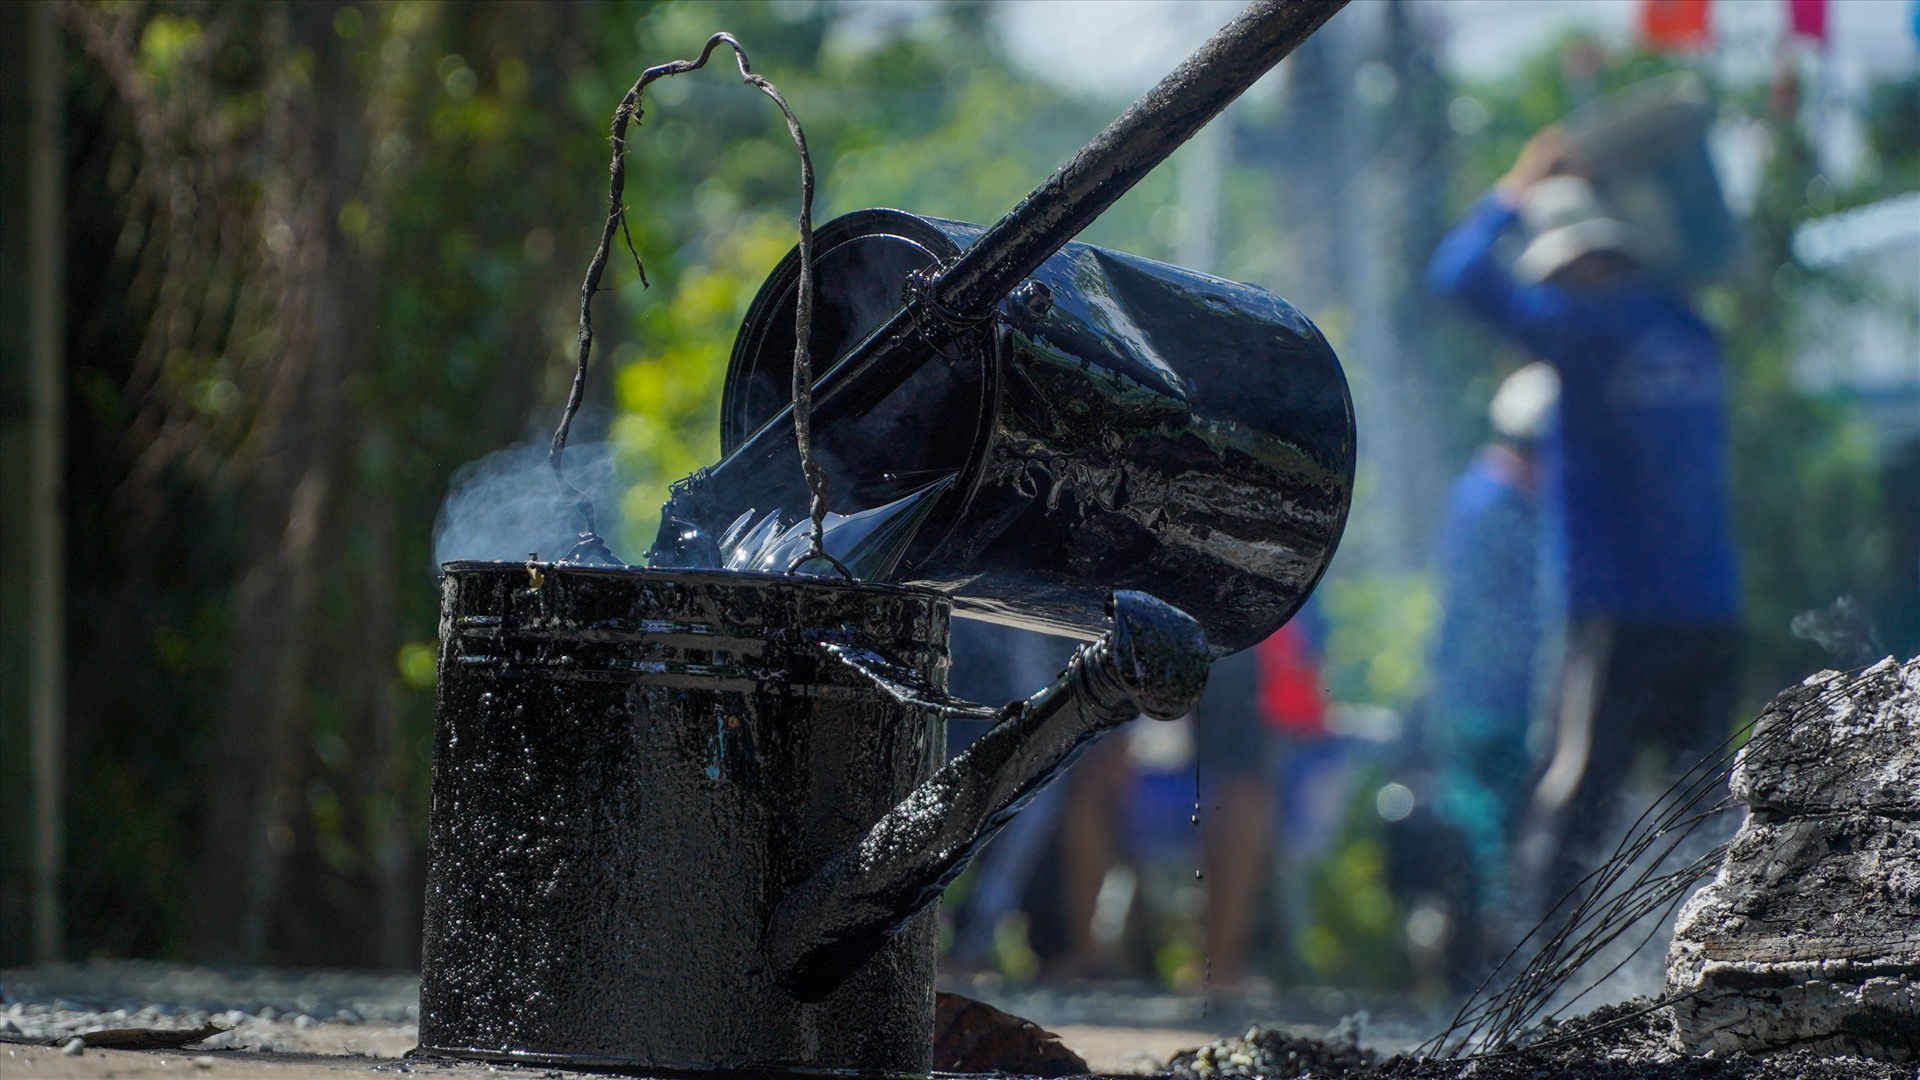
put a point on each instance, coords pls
(692, 821)
(631, 768)
(1119, 423)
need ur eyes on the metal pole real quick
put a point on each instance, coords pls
(1151, 129)
(1055, 212)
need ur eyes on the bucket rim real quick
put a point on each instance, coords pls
(707, 575)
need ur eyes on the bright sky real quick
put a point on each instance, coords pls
(1124, 46)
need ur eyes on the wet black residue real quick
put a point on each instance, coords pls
(690, 820)
(1150, 428)
(631, 767)
(1632, 1040)
(1153, 661)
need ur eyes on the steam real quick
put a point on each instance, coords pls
(1844, 629)
(1634, 963)
(506, 504)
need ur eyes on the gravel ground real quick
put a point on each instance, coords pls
(323, 1025)
(299, 1025)
(1628, 1041)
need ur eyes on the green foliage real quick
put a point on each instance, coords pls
(466, 214)
(1352, 936)
(1380, 629)
(468, 193)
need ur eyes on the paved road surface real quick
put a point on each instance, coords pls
(301, 1025)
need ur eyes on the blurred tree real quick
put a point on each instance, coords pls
(307, 281)
(324, 254)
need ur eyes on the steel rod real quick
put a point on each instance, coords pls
(1143, 137)
(1156, 125)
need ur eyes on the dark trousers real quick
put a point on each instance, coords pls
(1628, 686)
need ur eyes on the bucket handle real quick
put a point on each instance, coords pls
(629, 110)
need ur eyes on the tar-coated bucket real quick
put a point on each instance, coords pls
(1116, 423)
(631, 768)
(688, 821)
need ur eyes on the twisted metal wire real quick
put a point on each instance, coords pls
(1498, 1013)
(629, 110)
(1601, 909)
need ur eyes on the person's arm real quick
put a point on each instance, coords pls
(1464, 269)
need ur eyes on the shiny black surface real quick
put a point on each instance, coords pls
(912, 432)
(631, 767)
(690, 820)
(972, 284)
(1151, 428)
(1154, 661)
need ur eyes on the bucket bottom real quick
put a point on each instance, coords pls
(627, 1066)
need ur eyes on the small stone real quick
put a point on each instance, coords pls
(74, 1047)
(203, 1062)
(303, 1021)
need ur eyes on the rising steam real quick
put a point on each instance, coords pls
(506, 504)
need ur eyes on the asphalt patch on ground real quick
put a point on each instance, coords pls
(1628, 1041)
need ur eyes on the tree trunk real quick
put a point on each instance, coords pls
(264, 733)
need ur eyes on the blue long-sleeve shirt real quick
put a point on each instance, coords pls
(1636, 467)
(1492, 610)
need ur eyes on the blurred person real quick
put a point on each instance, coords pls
(1232, 750)
(993, 664)
(1250, 695)
(1636, 477)
(1293, 711)
(1090, 846)
(1493, 626)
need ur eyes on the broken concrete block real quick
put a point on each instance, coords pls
(1809, 935)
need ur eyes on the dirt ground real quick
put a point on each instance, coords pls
(316, 1025)
(304, 1025)
(333, 1050)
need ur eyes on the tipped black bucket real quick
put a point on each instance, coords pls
(1118, 423)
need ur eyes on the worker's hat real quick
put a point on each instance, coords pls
(1523, 407)
(1568, 221)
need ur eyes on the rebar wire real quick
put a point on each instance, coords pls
(629, 110)
(1490, 1021)
(1597, 911)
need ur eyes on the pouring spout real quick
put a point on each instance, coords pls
(1152, 662)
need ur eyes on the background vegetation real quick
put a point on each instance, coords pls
(321, 255)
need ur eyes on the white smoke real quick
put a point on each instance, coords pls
(508, 504)
(1634, 963)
